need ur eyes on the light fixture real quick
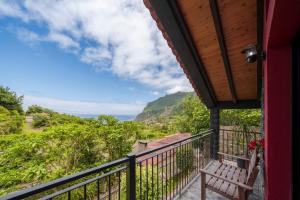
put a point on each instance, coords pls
(250, 53)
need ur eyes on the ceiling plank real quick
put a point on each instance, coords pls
(173, 24)
(222, 44)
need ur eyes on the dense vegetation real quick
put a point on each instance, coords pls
(40, 144)
(184, 112)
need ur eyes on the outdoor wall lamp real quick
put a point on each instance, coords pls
(252, 53)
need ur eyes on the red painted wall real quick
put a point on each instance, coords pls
(282, 21)
(278, 124)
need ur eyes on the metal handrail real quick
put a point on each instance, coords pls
(202, 135)
(58, 182)
(130, 165)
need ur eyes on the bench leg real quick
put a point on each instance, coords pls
(203, 180)
(242, 193)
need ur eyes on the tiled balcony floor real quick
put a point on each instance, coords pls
(193, 191)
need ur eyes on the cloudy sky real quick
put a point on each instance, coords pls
(86, 56)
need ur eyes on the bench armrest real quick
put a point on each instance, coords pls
(224, 154)
(242, 185)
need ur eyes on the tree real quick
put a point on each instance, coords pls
(194, 116)
(33, 109)
(10, 100)
(10, 121)
(118, 136)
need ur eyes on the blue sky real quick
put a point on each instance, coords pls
(85, 57)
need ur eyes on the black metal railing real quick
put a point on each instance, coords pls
(160, 173)
(235, 142)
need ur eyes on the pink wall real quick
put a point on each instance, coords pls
(282, 22)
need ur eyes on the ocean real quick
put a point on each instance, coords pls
(120, 117)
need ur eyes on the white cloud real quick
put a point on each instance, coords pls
(156, 93)
(27, 36)
(84, 107)
(30, 37)
(123, 37)
(63, 41)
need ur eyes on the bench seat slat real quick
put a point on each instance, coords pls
(239, 181)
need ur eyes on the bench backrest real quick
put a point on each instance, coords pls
(252, 170)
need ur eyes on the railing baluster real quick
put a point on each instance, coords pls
(186, 164)
(119, 185)
(109, 187)
(69, 195)
(223, 141)
(162, 178)
(166, 174)
(147, 188)
(173, 172)
(232, 137)
(141, 176)
(152, 183)
(84, 192)
(98, 189)
(157, 176)
(170, 177)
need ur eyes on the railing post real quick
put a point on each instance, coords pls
(131, 177)
(214, 137)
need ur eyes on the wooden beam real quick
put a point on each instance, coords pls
(260, 32)
(214, 124)
(170, 17)
(219, 30)
(242, 104)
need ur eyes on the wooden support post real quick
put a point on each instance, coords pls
(242, 193)
(214, 137)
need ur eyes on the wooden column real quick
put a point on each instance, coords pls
(214, 124)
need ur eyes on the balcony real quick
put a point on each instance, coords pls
(170, 171)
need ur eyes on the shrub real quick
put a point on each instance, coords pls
(37, 109)
(10, 100)
(185, 158)
(10, 121)
(40, 120)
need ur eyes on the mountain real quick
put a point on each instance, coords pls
(162, 107)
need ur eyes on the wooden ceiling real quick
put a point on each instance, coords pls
(207, 37)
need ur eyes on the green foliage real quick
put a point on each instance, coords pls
(10, 100)
(241, 118)
(33, 109)
(115, 133)
(185, 158)
(144, 176)
(63, 149)
(51, 118)
(11, 112)
(194, 116)
(40, 120)
(10, 121)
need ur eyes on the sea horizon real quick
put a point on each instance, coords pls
(119, 117)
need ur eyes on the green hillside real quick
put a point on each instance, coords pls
(163, 106)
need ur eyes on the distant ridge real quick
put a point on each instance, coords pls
(163, 106)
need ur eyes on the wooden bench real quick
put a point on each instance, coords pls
(228, 180)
